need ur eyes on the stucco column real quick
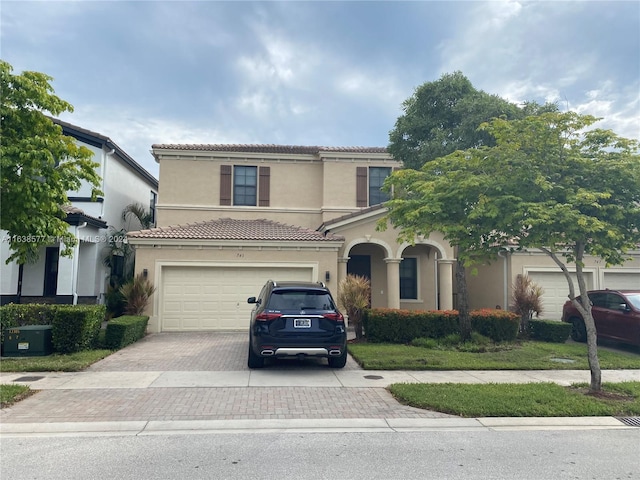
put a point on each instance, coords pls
(393, 282)
(342, 268)
(445, 283)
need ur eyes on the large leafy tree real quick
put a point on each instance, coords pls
(439, 118)
(39, 165)
(550, 183)
(443, 116)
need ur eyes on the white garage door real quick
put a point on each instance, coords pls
(621, 280)
(215, 298)
(556, 291)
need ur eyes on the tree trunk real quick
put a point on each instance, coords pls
(463, 302)
(592, 352)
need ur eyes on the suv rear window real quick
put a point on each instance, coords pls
(300, 300)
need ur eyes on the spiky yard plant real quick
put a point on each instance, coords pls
(137, 292)
(354, 292)
(526, 300)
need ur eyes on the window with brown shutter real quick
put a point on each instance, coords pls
(264, 186)
(361, 187)
(225, 184)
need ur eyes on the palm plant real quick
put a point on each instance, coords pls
(527, 300)
(137, 293)
(354, 292)
(139, 213)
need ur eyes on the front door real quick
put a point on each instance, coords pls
(359, 265)
(51, 271)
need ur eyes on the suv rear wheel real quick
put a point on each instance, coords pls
(338, 362)
(254, 361)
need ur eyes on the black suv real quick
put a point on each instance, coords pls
(296, 319)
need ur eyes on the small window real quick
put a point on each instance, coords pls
(377, 176)
(244, 185)
(152, 207)
(409, 279)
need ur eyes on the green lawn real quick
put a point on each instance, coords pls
(73, 362)
(10, 393)
(520, 400)
(523, 356)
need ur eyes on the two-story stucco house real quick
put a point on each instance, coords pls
(84, 277)
(231, 217)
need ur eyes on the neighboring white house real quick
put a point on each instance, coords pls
(84, 277)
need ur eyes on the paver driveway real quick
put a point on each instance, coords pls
(202, 356)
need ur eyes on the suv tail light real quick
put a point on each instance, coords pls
(267, 317)
(336, 317)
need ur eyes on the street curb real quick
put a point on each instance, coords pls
(353, 425)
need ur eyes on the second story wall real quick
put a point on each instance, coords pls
(297, 185)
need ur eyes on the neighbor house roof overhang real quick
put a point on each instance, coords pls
(76, 216)
(98, 140)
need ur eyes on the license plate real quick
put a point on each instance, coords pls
(302, 323)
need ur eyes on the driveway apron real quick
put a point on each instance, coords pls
(203, 376)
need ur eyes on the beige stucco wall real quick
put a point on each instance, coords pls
(492, 284)
(324, 258)
(305, 190)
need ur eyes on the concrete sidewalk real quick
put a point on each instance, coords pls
(177, 383)
(297, 378)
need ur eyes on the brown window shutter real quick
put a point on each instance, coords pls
(225, 184)
(264, 186)
(361, 187)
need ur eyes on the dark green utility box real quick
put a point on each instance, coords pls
(27, 341)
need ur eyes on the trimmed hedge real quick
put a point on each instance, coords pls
(402, 326)
(74, 327)
(549, 330)
(125, 330)
(498, 325)
(20, 315)
(77, 328)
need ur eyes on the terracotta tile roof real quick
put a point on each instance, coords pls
(290, 149)
(232, 229)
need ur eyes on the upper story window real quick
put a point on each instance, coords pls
(368, 185)
(244, 185)
(152, 206)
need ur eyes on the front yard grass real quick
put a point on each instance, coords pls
(517, 356)
(11, 393)
(73, 362)
(521, 400)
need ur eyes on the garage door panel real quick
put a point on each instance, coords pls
(622, 280)
(215, 298)
(556, 291)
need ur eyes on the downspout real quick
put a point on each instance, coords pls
(76, 259)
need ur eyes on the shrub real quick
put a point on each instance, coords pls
(20, 315)
(354, 293)
(498, 325)
(402, 326)
(76, 328)
(123, 331)
(527, 300)
(424, 342)
(549, 331)
(136, 293)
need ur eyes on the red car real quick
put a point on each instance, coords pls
(616, 314)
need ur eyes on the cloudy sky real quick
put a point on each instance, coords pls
(314, 73)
